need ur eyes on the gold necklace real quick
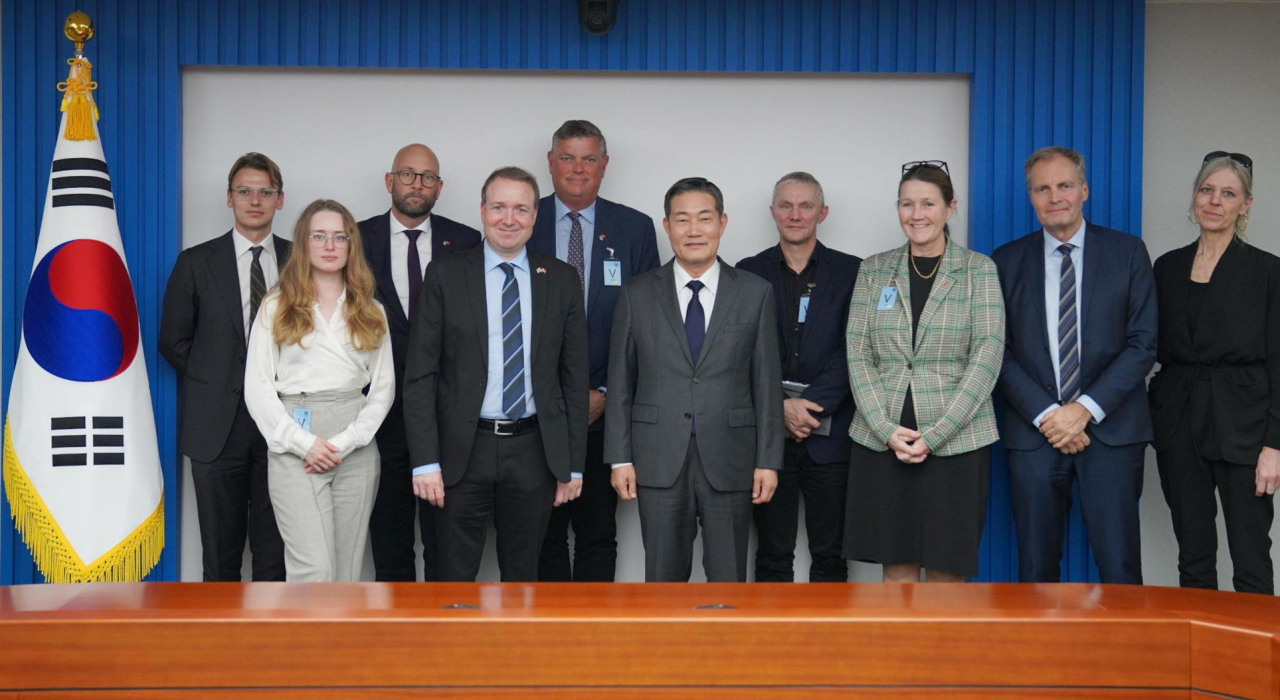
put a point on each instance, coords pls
(923, 276)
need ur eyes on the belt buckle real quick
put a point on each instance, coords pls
(498, 425)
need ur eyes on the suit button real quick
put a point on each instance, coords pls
(236, 391)
(695, 380)
(908, 365)
(688, 415)
(481, 382)
(471, 421)
(240, 359)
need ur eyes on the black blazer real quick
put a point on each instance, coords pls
(1237, 342)
(202, 336)
(1117, 336)
(448, 356)
(823, 363)
(634, 241)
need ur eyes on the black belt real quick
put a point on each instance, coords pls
(507, 427)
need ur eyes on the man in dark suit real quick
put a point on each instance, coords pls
(1081, 338)
(209, 305)
(608, 244)
(694, 427)
(495, 388)
(812, 285)
(398, 245)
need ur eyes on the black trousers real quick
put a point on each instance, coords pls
(391, 526)
(1110, 480)
(508, 482)
(1188, 483)
(595, 527)
(233, 503)
(823, 487)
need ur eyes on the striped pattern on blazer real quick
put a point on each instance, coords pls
(954, 365)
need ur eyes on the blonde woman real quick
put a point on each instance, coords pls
(319, 340)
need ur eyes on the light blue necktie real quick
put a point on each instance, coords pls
(513, 398)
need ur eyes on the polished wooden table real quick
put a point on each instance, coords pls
(285, 641)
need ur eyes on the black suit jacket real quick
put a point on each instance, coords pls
(202, 336)
(1117, 336)
(448, 356)
(634, 241)
(823, 363)
(1236, 343)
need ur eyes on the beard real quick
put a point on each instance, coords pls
(413, 210)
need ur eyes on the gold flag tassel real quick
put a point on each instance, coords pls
(77, 100)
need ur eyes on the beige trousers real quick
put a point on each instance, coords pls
(324, 518)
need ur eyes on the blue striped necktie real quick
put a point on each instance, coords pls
(1068, 328)
(513, 398)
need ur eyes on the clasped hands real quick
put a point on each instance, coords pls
(908, 445)
(322, 457)
(1064, 428)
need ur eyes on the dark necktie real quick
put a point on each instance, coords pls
(415, 270)
(575, 247)
(257, 284)
(512, 347)
(1068, 328)
(695, 329)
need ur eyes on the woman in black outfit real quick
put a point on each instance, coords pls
(1215, 402)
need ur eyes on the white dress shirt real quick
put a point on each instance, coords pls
(1052, 293)
(325, 360)
(244, 261)
(400, 257)
(707, 297)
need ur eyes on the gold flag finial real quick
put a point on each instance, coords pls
(77, 97)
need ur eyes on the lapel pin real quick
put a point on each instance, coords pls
(602, 236)
(541, 270)
(444, 243)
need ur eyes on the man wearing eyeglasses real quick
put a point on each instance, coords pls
(607, 243)
(1081, 338)
(398, 246)
(210, 303)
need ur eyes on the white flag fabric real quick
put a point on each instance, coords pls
(81, 466)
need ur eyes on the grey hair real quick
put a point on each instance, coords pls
(1053, 152)
(579, 129)
(1246, 184)
(800, 177)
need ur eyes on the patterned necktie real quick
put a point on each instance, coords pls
(1068, 328)
(257, 284)
(512, 347)
(415, 270)
(575, 247)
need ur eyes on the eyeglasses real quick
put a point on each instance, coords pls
(940, 164)
(248, 192)
(340, 239)
(408, 176)
(1240, 158)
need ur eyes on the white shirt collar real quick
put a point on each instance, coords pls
(243, 244)
(1051, 244)
(588, 213)
(710, 278)
(397, 227)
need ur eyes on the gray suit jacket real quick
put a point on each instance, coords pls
(655, 390)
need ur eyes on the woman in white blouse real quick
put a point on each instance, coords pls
(319, 339)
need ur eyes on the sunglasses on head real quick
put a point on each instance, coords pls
(940, 164)
(1240, 158)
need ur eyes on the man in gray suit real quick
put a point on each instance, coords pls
(694, 426)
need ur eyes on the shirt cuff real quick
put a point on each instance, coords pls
(602, 389)
(1099, 415)
(1040, 418)
(575, 475)
(432, 468)
(620, 464)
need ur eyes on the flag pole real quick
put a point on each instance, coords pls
(77, 99)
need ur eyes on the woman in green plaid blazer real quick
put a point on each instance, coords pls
(925, 342)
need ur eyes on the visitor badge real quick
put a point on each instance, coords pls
(302, 416)
(804, 308)
(612, 273)
(888, 296)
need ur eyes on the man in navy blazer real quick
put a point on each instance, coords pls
(398, 246)
(811, 285)
(608, 244)
(1081, 339)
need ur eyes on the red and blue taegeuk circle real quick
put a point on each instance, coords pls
(80, 321)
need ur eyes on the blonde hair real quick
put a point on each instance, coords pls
(296, 294)
(1246, 185)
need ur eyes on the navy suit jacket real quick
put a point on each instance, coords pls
(1117, 336)
(634, 241)
(823, 361)
(447, 236)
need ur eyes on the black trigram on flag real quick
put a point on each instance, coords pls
(81, 182)
(70, 440)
